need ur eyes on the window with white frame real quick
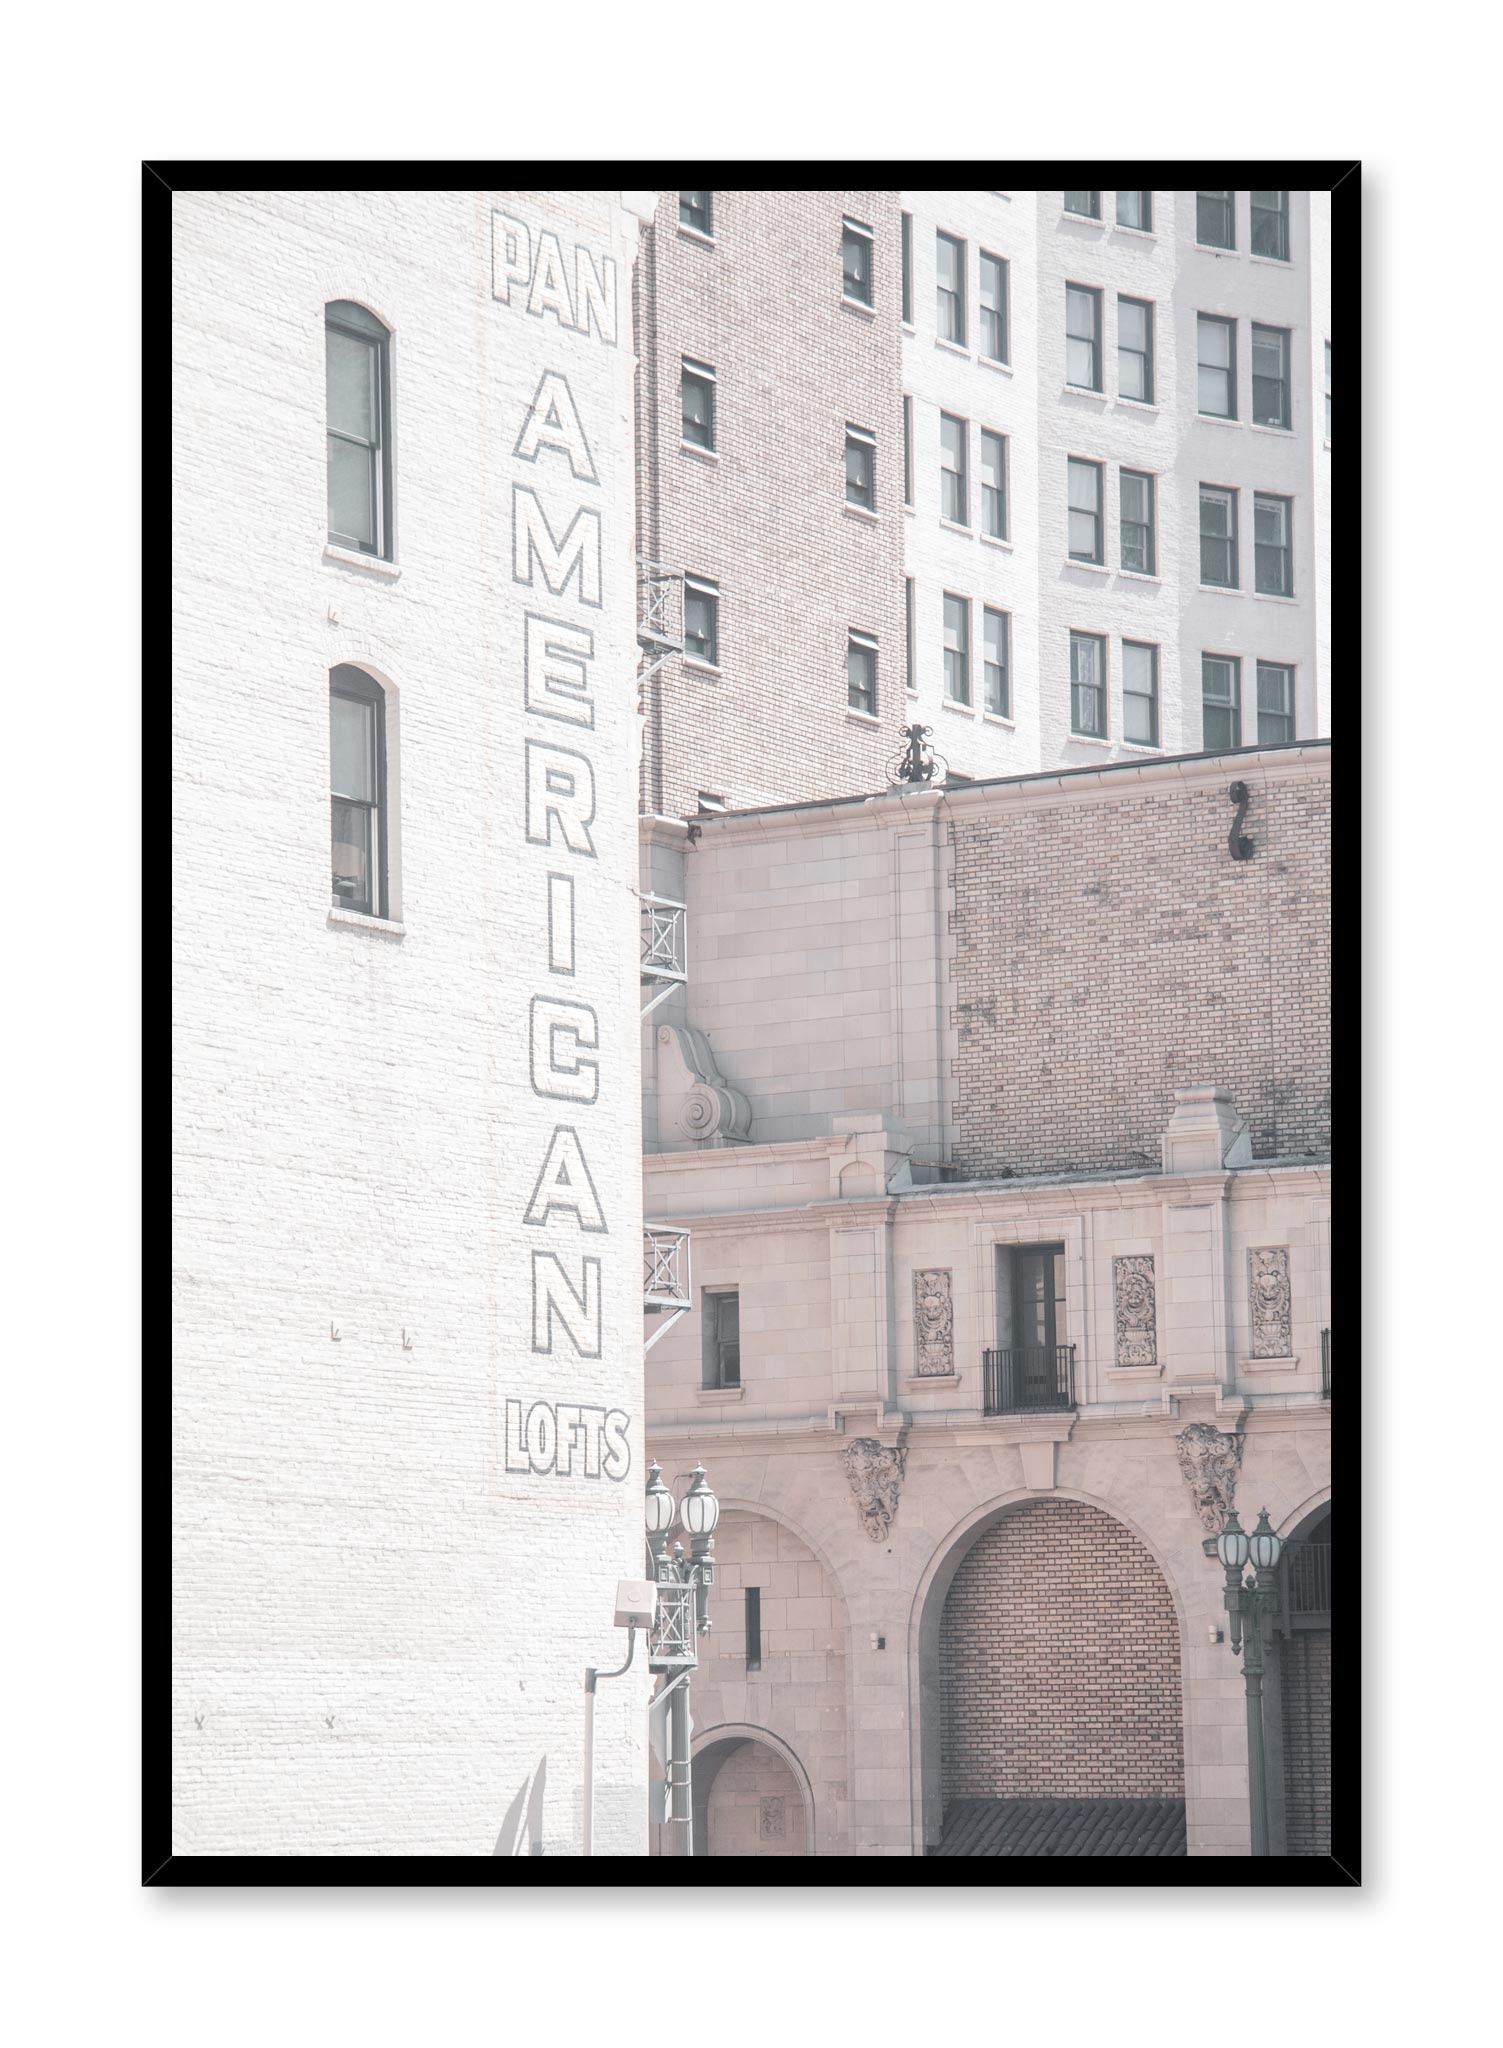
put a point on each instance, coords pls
(357, 786)
(1138, 536)
(993, 484)
(861, 468)
(1135, 350)
(702, 621)
(1083, 337)
(954, 478)
(957, 648)
(996, 671)
(1140, 693)
(1270, 376)
(856, 262)
(993, 307)
(861, 672)
(1216, 366)
(1216, 220)
(358, 397)
(1275, 703)
(1085, 495)
(1273, 553)
(1218, 537)
(1088, 685)
(697, 403)
(949, 288)
(1220, 702)
(1270, 224)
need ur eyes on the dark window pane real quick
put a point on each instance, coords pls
(1270, 224)
(698, 410)
(1220, 708)
(949, 260)
(993, 308)
(1275, 704)
(957, 649)
(353, 865)
(994, 678)
(1135, 209)
(907, 256)
(694, 211)
(1140, 693)
(1087, 685)
(1270, 376)
(861, 675)
(701, 625)
(1214, 219)
(351, 372)
(1218, 539)
(353, 474)
(856, 265)
(954, 495)
(860, 478)
(1088, 203)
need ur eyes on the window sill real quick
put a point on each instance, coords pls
(991, 363)
(699, 454)
(1092, 568)
(1217, 419)
(1221, 590)
(1270, 1364)
(1140, 747)
(351, 558)
(1328, 447)
(1081, 220)
(696, 235)
(717, 1395)
(953, 526)
(952, 348)
(357, 921)
(1138, 404)
(965, 710)
(855, 306)
(1089, 739)
(932, 1379)
(1273, 597)
(703, 668)
(908, 511)
(1120, 227)
(996, 718)
(908, 327)
(1278, 262)
(1140, 576)
(1214, 249)
(1262, 427)
(1083, 391)
(861, 512)
(995, 540)
(861, 717)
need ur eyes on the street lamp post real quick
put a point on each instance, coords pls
(1251, 1605)
(683, 1616)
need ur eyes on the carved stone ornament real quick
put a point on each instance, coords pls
(1272, 1323)
(933, 1322)
(772, 1828)
(1210, 1459)
(1132, 1287)
(874, 1473)
(695, 1098)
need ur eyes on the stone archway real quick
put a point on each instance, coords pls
(750, 1800)
(1059, 1695)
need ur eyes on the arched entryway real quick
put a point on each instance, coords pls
(1303, 1693)
(1059, 1699)
(749, 1800)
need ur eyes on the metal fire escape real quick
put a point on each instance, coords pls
(665, 1277)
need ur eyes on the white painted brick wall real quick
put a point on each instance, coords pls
(380, 1634)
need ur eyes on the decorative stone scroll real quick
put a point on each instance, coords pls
(1210, 1459)
(933, 1322)
(1272, 1315)
(1133, 1294)
(874, 1473)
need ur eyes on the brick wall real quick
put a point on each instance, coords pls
(766, 518)
(1109, 951)
(1306, 1686)
(1059, 1663)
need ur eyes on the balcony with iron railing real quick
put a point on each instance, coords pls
(1028, 1379)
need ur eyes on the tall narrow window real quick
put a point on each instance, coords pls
(993, 484)
(721, 1321)
(1216, 366)
(910, 666)
(1087, 203)
(1085, 511)
(856, 262)
(907, 450)
(861, 672)
(949, 287)
(907, 255)
(1270, 376)
(993, 307)
(1328, 391)
(954, 482)
(1215, 220)
(1083, 337)
(1218, 537)
(697, 395)
(754, 1628)
(996, 677)
(358, 393)
(1275, 704)
(702, 622)
(1140, 693)
(357, 785)
(1220, 702)
(861, 468)
(1273, 556)
(1139, 540)
(1088, 685)
(694, 212)
(1135, 210)
(1270, 224)
(1135, 349)
(957, 648)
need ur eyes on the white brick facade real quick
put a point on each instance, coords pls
(387, 1578)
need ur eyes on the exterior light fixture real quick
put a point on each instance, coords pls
(699, 1510)
(683, 1614)
(660, 1507)
(1252, 1606)
(1266, 1547)
(1231, 1544)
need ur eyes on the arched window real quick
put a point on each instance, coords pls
(358, 386)
(357, 785)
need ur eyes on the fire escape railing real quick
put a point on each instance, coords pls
(665, 948)
(666, 1280)
(660, 615)
(1028, 1379)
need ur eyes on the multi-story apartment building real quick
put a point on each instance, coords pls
(1048, 471)
(999, 1118)
(407, 1375)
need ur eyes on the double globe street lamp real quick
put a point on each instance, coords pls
(1251, 1606)
(683, 1585)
